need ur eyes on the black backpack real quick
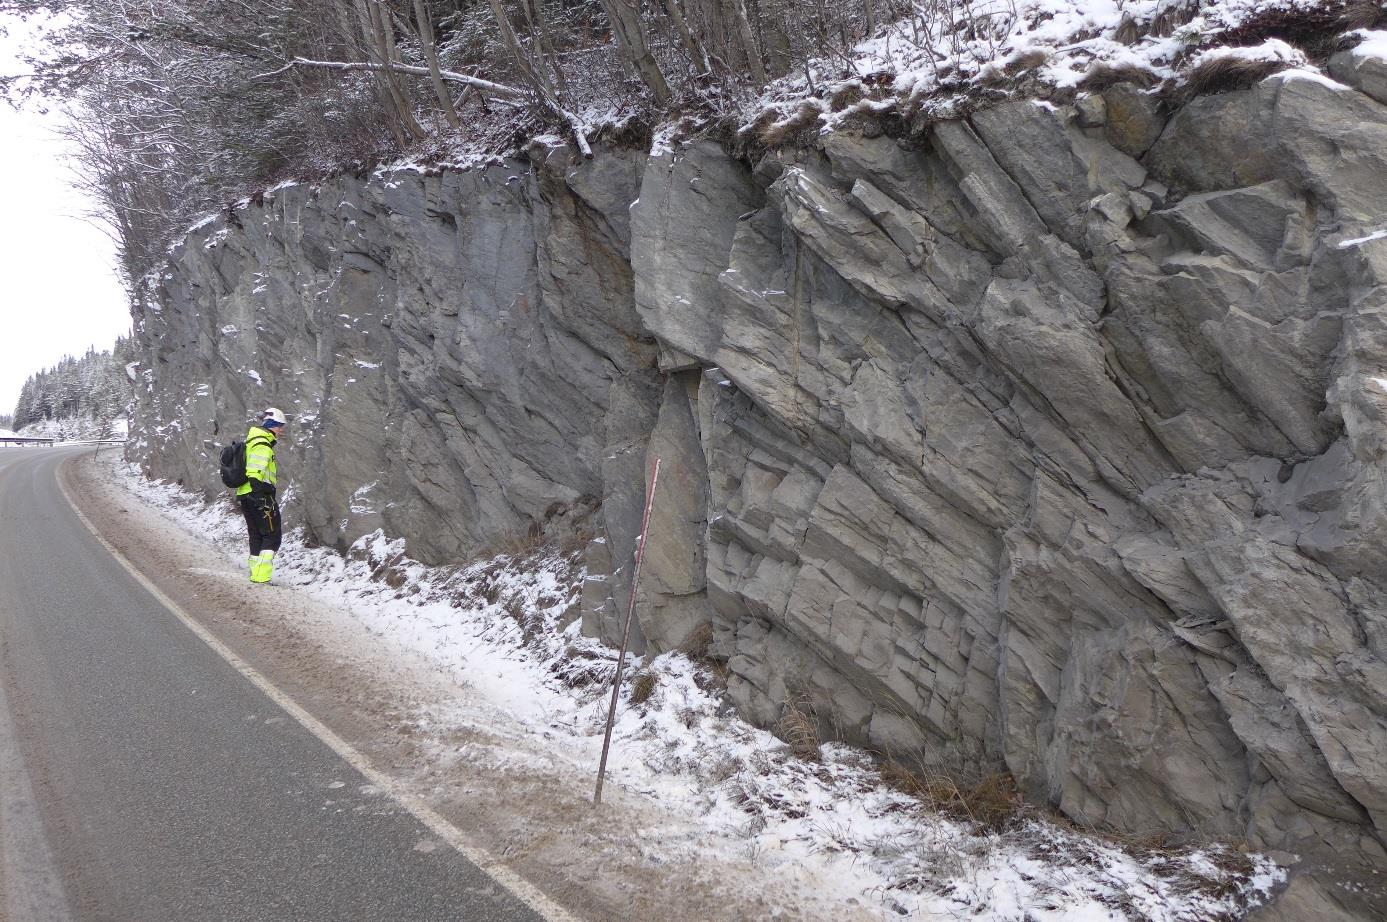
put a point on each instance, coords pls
(234, 465)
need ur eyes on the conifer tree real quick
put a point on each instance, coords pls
(77, 398)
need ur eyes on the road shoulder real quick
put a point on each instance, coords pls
(30, 882)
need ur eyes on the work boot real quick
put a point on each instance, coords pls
(263, 567)
(251, 563)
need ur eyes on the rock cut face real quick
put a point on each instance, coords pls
(1005, 447)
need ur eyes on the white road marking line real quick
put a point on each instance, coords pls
(522, 889)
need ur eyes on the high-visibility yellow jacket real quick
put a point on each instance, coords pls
(260, 459)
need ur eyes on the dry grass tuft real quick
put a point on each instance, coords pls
(1364, 14)
(713, 672)
(800, 729)
(847, 95)
(698, 643)
(643, 685)
(1225, 74)
(576, 540)
(773, 134)
(1171, 17)
(391, 570)
(991, 801)
(529, 621)
(628, 134)
(1103, 75)
(902, 778)
(577, 668)
(1128, 31)
(515, 544)
(712, 678)
(1027, 61)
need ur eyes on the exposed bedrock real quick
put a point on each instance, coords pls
(1004, 446)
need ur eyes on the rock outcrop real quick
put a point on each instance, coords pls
(1052, 439)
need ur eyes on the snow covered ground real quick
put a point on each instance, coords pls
(77, 428)
(503, 630)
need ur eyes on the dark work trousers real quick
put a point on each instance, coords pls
(262, 522)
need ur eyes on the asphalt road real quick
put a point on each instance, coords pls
(142, 778)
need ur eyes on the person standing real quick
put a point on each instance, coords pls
(257, 495)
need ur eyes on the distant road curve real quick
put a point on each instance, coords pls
(146, 774)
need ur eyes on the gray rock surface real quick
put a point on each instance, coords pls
(1004, 448)
(1363, 70)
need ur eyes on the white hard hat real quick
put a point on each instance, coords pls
(274, 415)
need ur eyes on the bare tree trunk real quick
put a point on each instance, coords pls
(358, 39)
(536, 75)
(430, 48)
(387, 29)
(779, 52)
(539, 34)
(629, 32)
(697, 55)
(373, 25)
(727, 38)
(748, 43)
(869, 11)
(386, 33)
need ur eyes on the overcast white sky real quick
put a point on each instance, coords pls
(58, 285)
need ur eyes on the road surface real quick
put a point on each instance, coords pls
(143, 778)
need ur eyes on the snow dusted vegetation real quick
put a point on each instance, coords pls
(946, 58)
(904, 842)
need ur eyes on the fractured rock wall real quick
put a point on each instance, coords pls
(1052, 439)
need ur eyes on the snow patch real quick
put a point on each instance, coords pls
(1374, 44)
(1310, 76)
(1271, 51)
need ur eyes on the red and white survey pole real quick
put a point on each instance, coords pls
(626, 634)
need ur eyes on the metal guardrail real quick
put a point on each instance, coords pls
(10, 441)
